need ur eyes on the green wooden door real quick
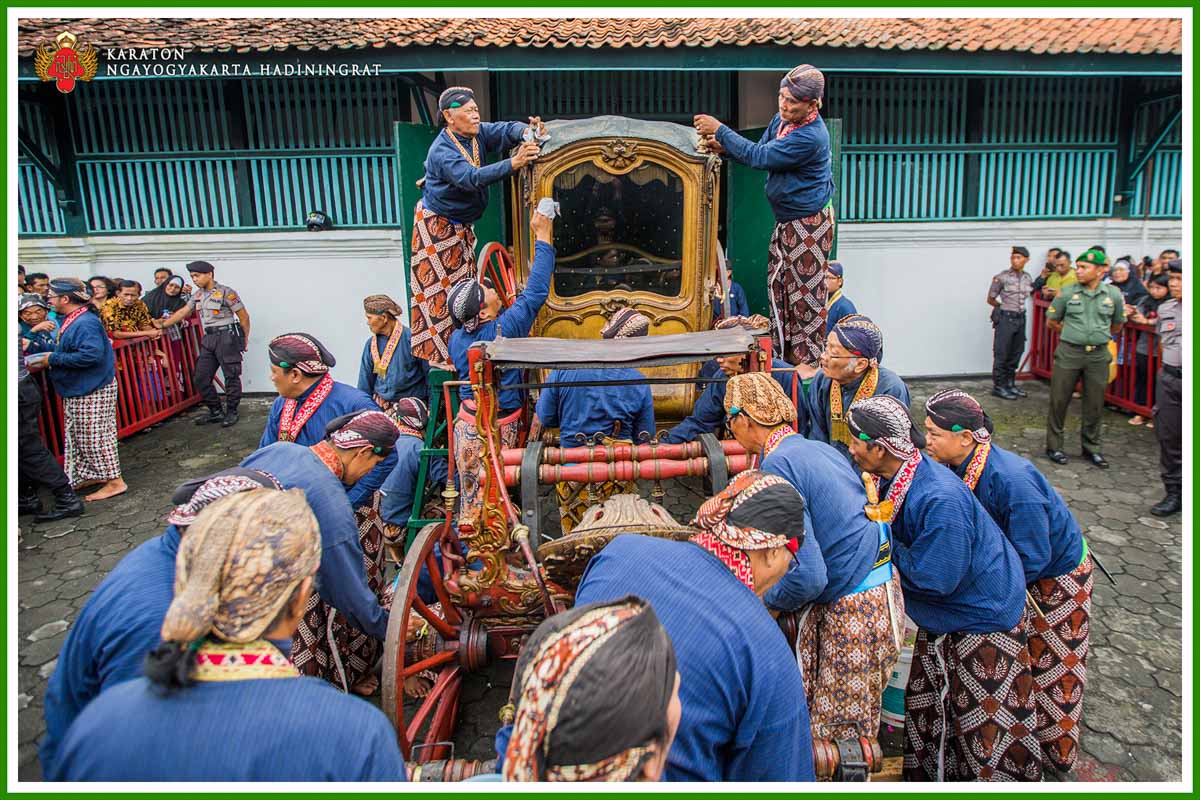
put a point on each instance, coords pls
(750, 220)
(412, 141)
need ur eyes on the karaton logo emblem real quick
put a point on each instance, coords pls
(66, 64)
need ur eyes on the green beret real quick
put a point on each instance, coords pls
(1093, 257)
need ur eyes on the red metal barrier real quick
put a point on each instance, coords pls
(154, 382)
(1133, 390)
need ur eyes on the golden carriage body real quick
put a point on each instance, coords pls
(638, 228)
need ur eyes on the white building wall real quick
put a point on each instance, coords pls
(924, 284)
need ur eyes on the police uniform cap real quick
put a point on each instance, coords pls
(1020, 251)
(1175, 265)
(200, 266)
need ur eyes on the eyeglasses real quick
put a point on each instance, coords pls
(733, 412)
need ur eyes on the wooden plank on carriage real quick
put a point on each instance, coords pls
(642, 351)
(892, 770)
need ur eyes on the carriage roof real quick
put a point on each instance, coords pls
(564, 132)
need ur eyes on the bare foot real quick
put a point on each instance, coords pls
(88, 484)
(368, 686)
(1136, 420)
(111, 489)
(417, 686)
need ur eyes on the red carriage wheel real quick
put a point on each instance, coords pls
(425, 640)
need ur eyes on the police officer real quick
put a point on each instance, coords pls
(1087, 314)
(1168, 394)
(1007, 296)
(226, 326)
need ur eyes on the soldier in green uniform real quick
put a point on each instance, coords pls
(226, 326)
(1087, 314)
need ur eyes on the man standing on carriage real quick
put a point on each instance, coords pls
(617, 413)
(794, 151)
(454, 196)
(475, 308)
(388, 371)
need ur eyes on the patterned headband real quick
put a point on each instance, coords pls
(466, 301)
(373, 429)
(626, 323)
(884, 420)
(760, 397)
(214, 489)
(713, 515)
(558, 663)
(297, 351)
(954, 410)
(755, 323)
(380, 304)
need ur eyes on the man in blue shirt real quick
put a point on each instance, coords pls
(850, 620)
(120, 622)
(83, 371)
(837, 304)
(309, 398)
(475, 309)
(1053, 553)
(708, 414)
(347, 613)
(221, 700)
(744, 714)
(969, 707)
(617, 413)
(388, 371)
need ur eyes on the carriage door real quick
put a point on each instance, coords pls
(749, 221)
(412, 142)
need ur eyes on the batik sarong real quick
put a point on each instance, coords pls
(969, 710)
(91, 436)
(796, 258)
(325, 644)
(847, 650)
(1058, 650)
(443, 253)
(576, 497)
(468, 458)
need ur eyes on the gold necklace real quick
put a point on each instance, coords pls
(473, 157)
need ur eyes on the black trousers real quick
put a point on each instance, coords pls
(1008, 345)
(222, 348)
(1168, 425)
(35, 466)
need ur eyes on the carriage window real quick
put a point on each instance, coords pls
(618, 231)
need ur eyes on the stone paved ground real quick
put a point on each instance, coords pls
(1132, 719)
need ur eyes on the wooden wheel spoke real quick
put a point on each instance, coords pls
(433, 662)
(439, 588)
(443, 627)
(448, 677)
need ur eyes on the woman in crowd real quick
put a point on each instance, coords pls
(220, 700)
(1146, 313)
(161, 302)
(454, 196)
(794, 150)
(103, 289)
(569, 724)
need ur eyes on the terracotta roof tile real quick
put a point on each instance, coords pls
(1122, 36)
